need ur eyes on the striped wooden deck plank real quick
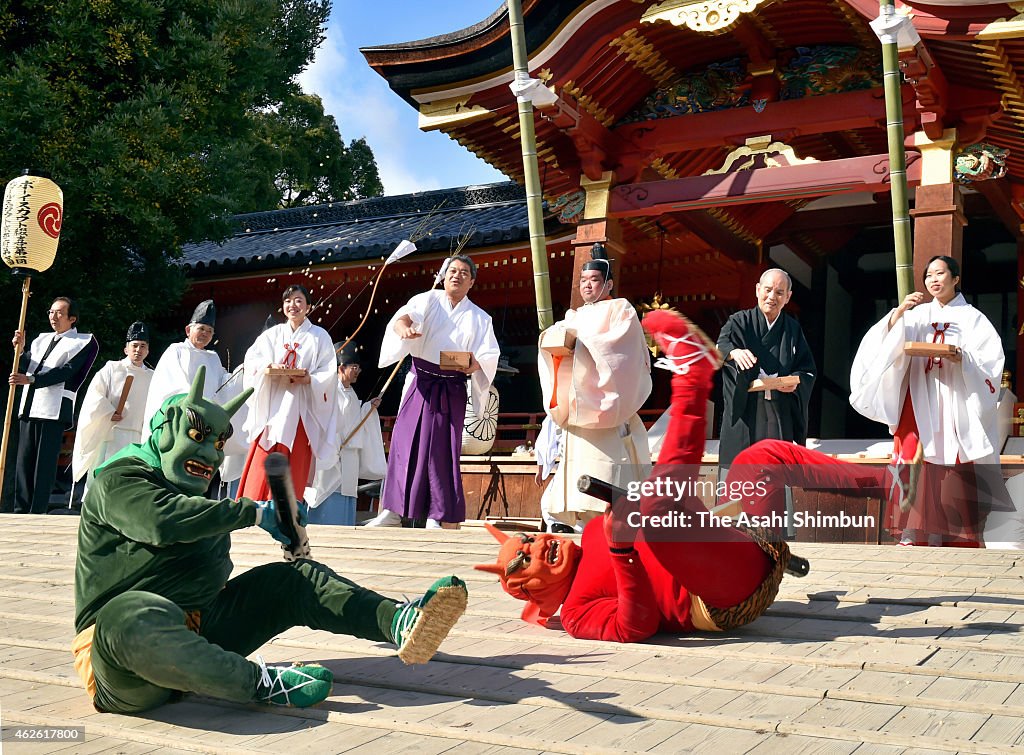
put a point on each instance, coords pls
(879, 650)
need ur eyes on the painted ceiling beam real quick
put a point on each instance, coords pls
(854, 174)
(783, 120)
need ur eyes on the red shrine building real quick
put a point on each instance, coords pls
(701, 142)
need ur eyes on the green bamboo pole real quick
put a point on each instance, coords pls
(904, 247)
(534, 207)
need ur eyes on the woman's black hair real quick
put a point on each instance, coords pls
(952, 264)
(297, 287)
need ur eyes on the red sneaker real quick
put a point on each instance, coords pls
(905, 470)
(683, 343)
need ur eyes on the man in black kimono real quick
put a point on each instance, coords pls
(51, 370)
(759, 342)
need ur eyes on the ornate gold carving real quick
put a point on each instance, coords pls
(732, 224)
(641, 53)
(439, 113)
(663, 169)
(1006, 28)
(755, 147)
(703, 16)
(994, 55)
(865, 37)
(642, 226)
(768, 32)
(588, 104)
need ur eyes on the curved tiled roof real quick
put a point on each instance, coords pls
(363, 229)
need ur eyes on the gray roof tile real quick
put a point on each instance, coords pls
(363, 229)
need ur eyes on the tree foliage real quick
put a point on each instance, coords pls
(152, 117)
(308, 163)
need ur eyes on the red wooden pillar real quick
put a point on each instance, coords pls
(938, 226)
(596, 227)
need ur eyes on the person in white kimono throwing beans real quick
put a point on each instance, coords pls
(291, 413)
(594, 395)
(423, 480)
(941, 408)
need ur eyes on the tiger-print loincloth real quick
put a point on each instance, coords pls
(761, 599)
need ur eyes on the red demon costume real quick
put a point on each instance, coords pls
(697, 575)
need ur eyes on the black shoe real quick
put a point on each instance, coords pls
(558, 528)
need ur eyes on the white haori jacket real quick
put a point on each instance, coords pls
(955, 403)
(464, 327)
(595, 395)
(276, 406)
(96, 437)
(362, 458)
(174, 373)
(46, 401)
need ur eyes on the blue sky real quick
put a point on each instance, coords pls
(364, 106)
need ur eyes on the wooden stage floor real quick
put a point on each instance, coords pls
(880, 650)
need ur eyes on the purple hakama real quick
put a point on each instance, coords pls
(423, 479)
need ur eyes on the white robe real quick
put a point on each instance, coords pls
(955, 404)
(276, 406)
(96, 437)
(174, 373)
(361, 458)
(465, 327)
(599, 391)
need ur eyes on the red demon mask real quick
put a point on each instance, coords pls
(536, 568)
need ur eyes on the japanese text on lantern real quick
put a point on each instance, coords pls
(17, 211)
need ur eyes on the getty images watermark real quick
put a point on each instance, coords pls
(684, 505)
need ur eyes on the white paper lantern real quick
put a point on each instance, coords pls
(32, 213)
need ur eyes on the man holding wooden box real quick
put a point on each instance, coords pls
(768, 372)
(595, 372)
(449, 339)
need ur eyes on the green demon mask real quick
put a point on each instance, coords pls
(187, 438)
(191, 438)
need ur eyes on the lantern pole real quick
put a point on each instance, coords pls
(30, 222)
(9, 414)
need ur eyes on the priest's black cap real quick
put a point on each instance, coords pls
(137, 331)
(205, 314)
(347, 355)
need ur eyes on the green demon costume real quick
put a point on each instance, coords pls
(156, 614)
